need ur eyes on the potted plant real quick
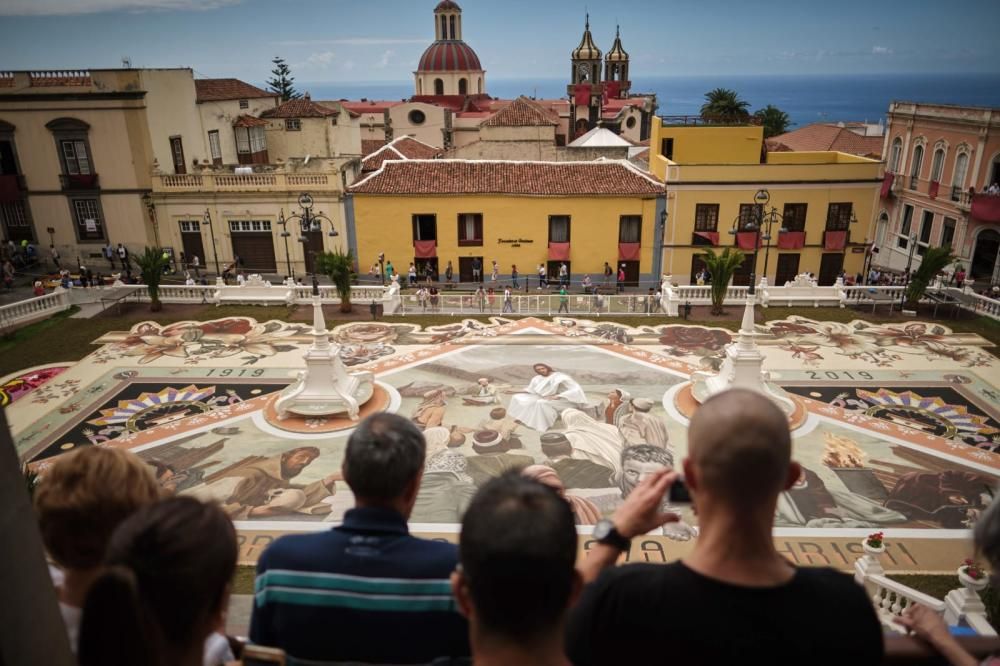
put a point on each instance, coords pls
(874, 543)
(972, 576)
(339, 267)
(721, 267)
(151, 264)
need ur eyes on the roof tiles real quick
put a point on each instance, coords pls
(218, 90)
(522, 112)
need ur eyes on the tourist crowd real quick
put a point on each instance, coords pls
(145, 579)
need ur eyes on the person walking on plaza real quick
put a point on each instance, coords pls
(621, 279)
(109, 253)
(477, 270)
(196, 265)
(563, 274)
(542, 282)
(513, 275)
(55, 256)
(490, 298)
(123, 256)
(8, 274)
(496, 272)
(607, 274)
(411, 275)
(449, 273)
(508, 305)
(563, 300)
(481, 298)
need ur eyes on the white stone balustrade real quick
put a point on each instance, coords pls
(34, 309)
(892, 598)
(249, 182)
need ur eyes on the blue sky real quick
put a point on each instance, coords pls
(381, 40)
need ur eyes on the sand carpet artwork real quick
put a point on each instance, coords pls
(898, 430)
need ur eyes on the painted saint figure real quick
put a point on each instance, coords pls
(638, 426)
(548, 394)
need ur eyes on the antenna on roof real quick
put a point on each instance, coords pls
(126, 62)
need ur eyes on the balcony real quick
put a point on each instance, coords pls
(74, 182)
(250, 182)
(11, 187)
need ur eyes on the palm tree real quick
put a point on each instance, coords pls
(721, 267)
(774, 120)
(151, 264)
(725, 105)
(339, 267)
(935, 260)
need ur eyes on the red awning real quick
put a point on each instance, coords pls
(791, 240)
(628, 251)
(834, 240)
(986, 207)
(612, 89)
(582, 94)
(425, 249)
(711, 236)
(745, 240)
(932, 191)
(887, 185)
(558, 251)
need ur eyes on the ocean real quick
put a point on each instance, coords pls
(806, 99)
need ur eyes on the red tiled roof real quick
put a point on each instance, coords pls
(218, 90)
(369, 146)
(249, 121)
(522, 112)
(302, 107)
(452, 55)
(403, 148)
(416, 177)
(821, 136)
(368, 106)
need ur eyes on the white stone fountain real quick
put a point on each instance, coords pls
(325, 388)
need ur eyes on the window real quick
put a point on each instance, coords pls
(904, 228)
(215, 147)
(453, 33)
(926, 224)
(559, 228)
(190, 226)
(76, 161)
(244, 104)
(425, 227)
(958, 177)
(706, 217)
(750, 216)
(444, 27)
(794, 218)
(417, 117)
(292, 125)
(250, 140)
(87, 215)
(463, 87)
(479, 85)
(470, 229)
(249, 226)
(838, 216)
(177, 154)
(630, 123)
(937, 166)
(667, 148)
(438, 87)
(918, 158)
(630, 229)
(948, 232)
(895, 154)
(788, 268)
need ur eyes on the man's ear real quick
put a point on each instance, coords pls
(460, 591)
(794, 474)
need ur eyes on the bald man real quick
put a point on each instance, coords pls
(734, 598)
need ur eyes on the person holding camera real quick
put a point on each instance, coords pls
(739, 462)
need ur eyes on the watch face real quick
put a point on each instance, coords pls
(602, 528)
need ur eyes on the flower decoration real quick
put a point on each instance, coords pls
(875, 540)
(972, 570)
(694, 340)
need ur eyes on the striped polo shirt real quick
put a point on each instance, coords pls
(366, 591)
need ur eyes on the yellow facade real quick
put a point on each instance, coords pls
(383, 224)
(703, 171)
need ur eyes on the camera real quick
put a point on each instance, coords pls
(679, 493)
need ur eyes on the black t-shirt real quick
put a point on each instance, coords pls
(659, 614)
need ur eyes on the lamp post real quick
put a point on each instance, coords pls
(308, 221)
(147, 200)
(759, 219)
(909, 262)
(215, 250)
(285, 233)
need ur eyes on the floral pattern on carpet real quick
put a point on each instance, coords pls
(17, 387)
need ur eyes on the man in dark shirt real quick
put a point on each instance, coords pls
(366, 591)
(734, 599)
(517, 577)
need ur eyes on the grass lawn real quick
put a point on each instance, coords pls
(61, 338)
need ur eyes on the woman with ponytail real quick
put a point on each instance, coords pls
(165, 587)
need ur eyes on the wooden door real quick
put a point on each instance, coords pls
(741, 276)
(256, 252)
(312, 247)
(631, 272)
(465, 268)
(788, 268)
(193, 247)
(830, 267)
(177, 152)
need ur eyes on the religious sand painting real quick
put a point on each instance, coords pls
(897, 431)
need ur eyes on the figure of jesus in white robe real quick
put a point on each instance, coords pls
(547, 395)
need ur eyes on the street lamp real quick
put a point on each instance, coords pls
(211, 232)
(285, 233)
(308, 221)
(760, 219)
(909, 262)
(147, 200)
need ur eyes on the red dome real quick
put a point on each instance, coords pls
(446, 5)
(449, 56)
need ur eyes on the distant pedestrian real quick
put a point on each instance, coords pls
(563, 274)
(38, 289)
(513, 275)
(411, 274)
(607, 274)
(542, 282)
(449, 273)
(8, 274)
(123, 256)
(621, 279)
(508, 305)
(109, 254)
(481, 298)
(434, 298)
(490, 298)
(477, 270)
(563, 299)
(196, 265)
(389, 270)
(55, 256)
(496, 272)
(960, 278)
(588, 286)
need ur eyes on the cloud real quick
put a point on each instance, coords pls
(385, 59)
(881, 50)
(71, 7)
(351, 41)
(320, 60)
(348, 65)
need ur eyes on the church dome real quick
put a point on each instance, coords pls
(617, 52)
(587, 50)
(449, 56)
(446, 5)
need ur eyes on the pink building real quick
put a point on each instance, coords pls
(941, 162)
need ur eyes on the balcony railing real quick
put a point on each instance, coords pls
(79, 181)
(251, 182)
(690, 120)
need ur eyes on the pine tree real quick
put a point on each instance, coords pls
(283, 80)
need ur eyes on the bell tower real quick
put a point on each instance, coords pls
(586, 92)
(616, 61)
(586, 59)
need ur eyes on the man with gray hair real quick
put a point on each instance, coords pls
(368, 579)
(739, 461)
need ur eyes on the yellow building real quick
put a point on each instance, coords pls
(825, 201)
(583, 214)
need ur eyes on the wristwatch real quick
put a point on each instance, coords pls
(605, 532)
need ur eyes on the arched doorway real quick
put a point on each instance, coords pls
(438, 87)
(463, 87)
(582, 126)
(984, 267)
(880, 229)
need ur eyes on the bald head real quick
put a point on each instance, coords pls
(740, 444)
